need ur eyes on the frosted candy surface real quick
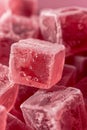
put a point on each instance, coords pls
(49, 109)
(35, 63)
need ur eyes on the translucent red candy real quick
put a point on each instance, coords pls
(72, 21)
(37, 91)
(8, 90)
(36, 63)
(3, 117)
(23, 7)
(58, 109)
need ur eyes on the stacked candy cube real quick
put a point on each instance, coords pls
(43, 73)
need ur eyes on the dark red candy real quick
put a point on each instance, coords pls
(13, 123)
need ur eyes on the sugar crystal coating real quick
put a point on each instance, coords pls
(55, 109)
(20, 26)
(72, 21)
(36, 63)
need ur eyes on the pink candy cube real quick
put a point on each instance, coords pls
(57, 109)
(36, 63)
(8, 90)
(19, 26)
(73, 23)
(23, 7)
(3, 118)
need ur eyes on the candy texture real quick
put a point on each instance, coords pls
(72, 21)
(20, 26)
(8, 90)
(58, 109)
(36, 63)
(23, 7)
(3, 118)
(50, 26)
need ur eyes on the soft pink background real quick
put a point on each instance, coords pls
(61, 3)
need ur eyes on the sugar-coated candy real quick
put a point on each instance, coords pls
(72, 21)
(8, 90)
(36, 63)
(3, 117)
(68, 75)
(20, 26)
(55, 109)
(50, 26)
(13, 123)
(23, 7)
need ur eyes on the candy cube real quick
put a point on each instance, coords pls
(20, 26)
(68, 76)
(73, 25)
(36, 63)
(50, 26)
(13, 123)
(23, 7)
(3, 118)
(56, 109)
(8, 90)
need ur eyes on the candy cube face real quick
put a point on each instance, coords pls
(8, 91)
(55, 109)
(3, 118)
(23, 7)
(50, 26)
(13, 123)
(72, 22)
(36, 63)
(68, 76)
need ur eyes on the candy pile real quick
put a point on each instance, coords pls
(43, 73)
